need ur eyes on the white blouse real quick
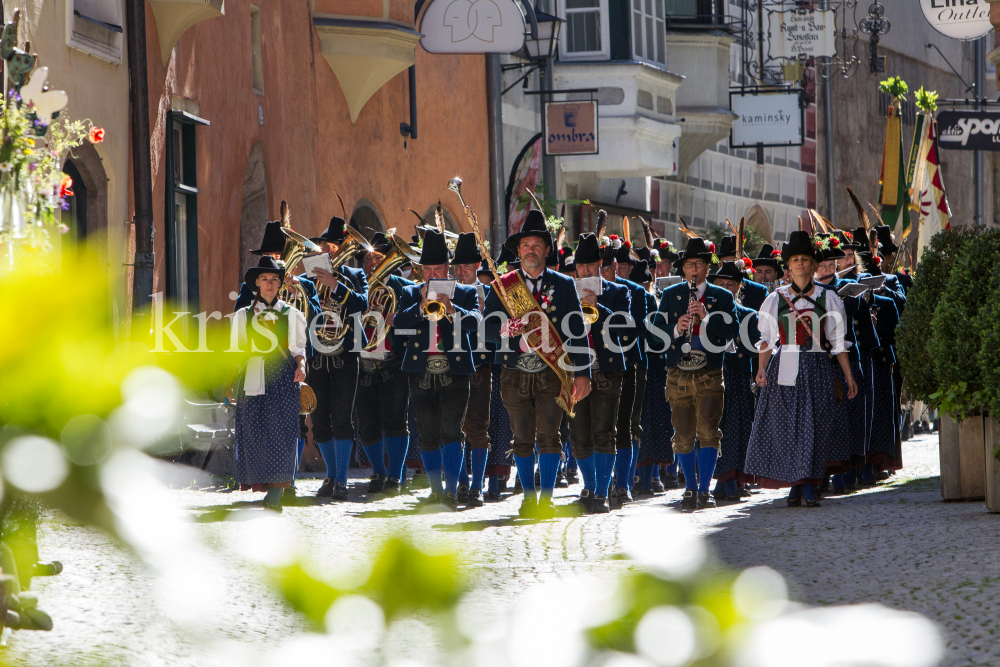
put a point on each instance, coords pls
(253, 385)
(834, 325)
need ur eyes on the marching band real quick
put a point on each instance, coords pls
(628, 370)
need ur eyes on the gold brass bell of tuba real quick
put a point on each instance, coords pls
(381, 298)
(333, 333)
(296, 247)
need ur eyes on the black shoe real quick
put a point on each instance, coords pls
(474, 498)
(670, 482)
(657, 487)
(377, 484)
(326, 490)
(586, 500)
(502, 484)
(492, 495)
(599, 505)
(620, 496)
(432, 499)
(572, 477)
(391, 487)
(794, 502)
(812, 503)
(706, 501)
(745, 492)
(463, 494)
(517, 486)
(733, 499)
(881, 476)
(529, 506)
(546, 509)
(339, 491)
(689, 502)
(718, 493)
(450, 501)
(561, 482)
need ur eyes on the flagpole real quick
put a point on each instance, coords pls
(978, 166)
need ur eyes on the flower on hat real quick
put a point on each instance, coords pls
(740, 264)
(748, 263)
(711, 248)
(627, 244)
(849, 236)
(775, 254)
(834, 242)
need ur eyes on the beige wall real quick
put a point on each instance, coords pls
(98, 90)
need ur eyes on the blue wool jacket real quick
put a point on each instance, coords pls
(636, 355)
(565, 301)
(887, 319)
(745, 359)
(482, 353)
(753, 294)
(614, 299)
(674, 304)
(410, 321)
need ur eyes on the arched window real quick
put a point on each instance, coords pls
(449, 220)
(366, 218)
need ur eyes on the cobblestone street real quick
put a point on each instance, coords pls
(897, 544)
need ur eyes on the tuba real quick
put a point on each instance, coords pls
(333, 334)
(381, 297)
(296, 247)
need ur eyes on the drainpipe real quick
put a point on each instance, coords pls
(831, 180)
(494, 109)
(142, 175)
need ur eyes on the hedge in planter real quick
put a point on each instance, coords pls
(914, 333)
(989, 352)
(956, 338)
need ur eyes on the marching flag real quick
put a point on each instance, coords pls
(894, 197)
(935, 213)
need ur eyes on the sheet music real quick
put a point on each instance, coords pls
(874, 282)
(593, 284)
(445, 287)
(482, 294)
(668, 281)
(853, 289)
(318, 261)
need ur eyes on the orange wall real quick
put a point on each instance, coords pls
(310, 147)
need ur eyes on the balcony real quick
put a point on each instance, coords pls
(174, 17)
(639, 135)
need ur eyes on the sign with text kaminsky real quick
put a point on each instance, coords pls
(806, 34)
(767, 118)
(969, 130)
(472, 26)
(958, 19)
(571, 128)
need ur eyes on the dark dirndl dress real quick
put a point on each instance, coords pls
(800, 433)
(882, 450)
(267, 427)
(501, 456)
(736, 424)
(413, 458)
(657, 428)
(857, 426)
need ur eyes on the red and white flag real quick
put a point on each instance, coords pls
(935, 213)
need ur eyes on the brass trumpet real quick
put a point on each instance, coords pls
(434, 311)
(355, 242)
(381, 298)
(590, 313)
(296, 247)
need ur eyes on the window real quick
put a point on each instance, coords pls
(649, 32)
(181, 237)
(695, 12)
(95, 27)
(585, 35)
(256, 61)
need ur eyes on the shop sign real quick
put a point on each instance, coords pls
(969, 130)
(958, 19)
(571, 128)
(802, 34)
(766, 118)
(472, 26)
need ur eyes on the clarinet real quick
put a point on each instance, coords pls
(689, 334)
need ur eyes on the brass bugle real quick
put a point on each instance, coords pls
(590, 314)
(434, 311)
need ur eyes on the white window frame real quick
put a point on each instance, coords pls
(632, 11)
(603, 54)
(109, 11)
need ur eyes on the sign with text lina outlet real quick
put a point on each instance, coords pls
(771, 119)
(571, 128)
(472, 26)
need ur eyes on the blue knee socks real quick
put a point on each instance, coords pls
(588, 470)
(494, 484)
(795, 493)
(810, 492)
(376, 455)
(672, 469)
(603, 463)
(329, 453)
(526, 471)
(479, 468)
(838, 483)
(646, 475)
(298, 459)
(432, 466)
(623, 468)
(707, 456)
(452, 459)
(571, 462)
(656, 472)
(548, 467)
(395, 448)
(689, 464)
(635, 463)
(343, 450)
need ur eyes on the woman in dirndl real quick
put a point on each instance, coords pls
(800, 427)
(267, 389)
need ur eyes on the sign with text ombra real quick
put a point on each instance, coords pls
(771, 119)
(958, 19)
(805, 34)
(969, 130)
(571, 128)
(472, 26)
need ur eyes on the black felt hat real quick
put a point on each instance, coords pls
(799, 243)
(335, 233)
(696, 249)
(768, 256)
(566, 259)
(861, 239)
(833, 249)
(848, 241)
(381, 243)
(727, 246)
(623, 255)
(646, 254)
(484, 269)
(665, 250)
(534, 225)
(588, 250)
(265, 265)
(552, 259)
(274, 239)
(729, 271)
(466, 250)
(435, 249)
(885, 239)
(640, 272)
(607, 256)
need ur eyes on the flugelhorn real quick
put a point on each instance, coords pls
(590, 314)
(381, 298)
(296, 247)
(334, 333)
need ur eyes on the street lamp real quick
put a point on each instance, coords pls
(539, 44)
